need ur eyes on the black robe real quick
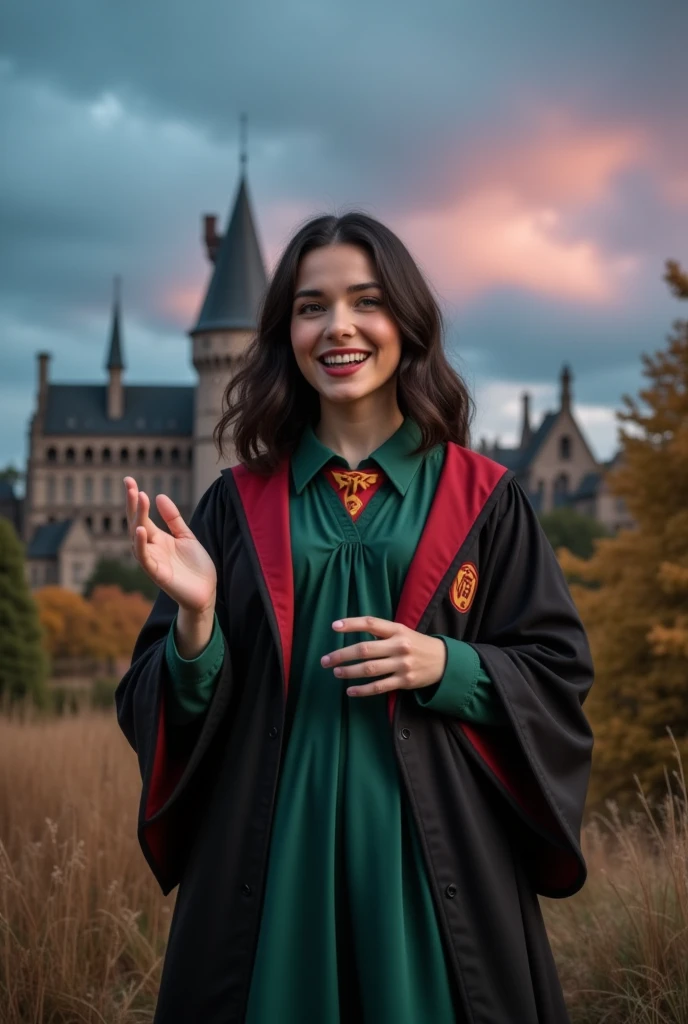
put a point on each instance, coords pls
(498, 810)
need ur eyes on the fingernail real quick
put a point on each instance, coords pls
(338, 624)
(325, 660)
(337, 671)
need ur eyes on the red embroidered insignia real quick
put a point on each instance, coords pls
(464, 586)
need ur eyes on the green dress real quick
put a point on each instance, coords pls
(348, 929)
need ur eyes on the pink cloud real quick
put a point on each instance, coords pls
(508, 224)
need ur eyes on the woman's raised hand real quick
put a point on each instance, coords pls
(175, 561)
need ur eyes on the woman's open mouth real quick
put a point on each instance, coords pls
(342, 365)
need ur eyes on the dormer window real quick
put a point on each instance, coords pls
(565, 447)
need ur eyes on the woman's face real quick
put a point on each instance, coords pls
(345, 341)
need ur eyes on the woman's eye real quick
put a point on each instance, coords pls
(310, 305)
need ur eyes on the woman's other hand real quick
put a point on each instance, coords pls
(408, 659)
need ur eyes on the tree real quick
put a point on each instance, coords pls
(70, 625)
(120, 618)
(129, 578)
(566, 528)
(637, 618)
(22, 662)
(102, 628)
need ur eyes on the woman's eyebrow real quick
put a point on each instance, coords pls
(316, 293)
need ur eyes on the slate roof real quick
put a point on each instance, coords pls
(519, 459)
(47, 539)
(81, 409)
(7, 491)
(587, 488)
(239, 279)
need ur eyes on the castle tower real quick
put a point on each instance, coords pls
(226, 324)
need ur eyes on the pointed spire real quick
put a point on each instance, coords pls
(566, 387)
(243, 149)
(115, 359)
(239, 279)
(526, 429)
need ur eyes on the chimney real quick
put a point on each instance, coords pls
(43, 368)
(210, 235)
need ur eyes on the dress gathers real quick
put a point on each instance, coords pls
(349, 930)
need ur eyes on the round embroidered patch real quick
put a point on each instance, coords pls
(464, 586)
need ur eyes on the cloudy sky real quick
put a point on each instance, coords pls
(533, 157)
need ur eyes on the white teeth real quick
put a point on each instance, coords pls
(335, 360)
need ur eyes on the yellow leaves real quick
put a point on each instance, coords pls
(106, 626)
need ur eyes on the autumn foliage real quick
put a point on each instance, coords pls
(636, 613)
(103, 627)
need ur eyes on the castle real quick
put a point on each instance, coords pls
(84, 438)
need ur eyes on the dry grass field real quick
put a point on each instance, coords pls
(82, 924)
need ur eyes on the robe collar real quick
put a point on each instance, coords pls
(395, 457)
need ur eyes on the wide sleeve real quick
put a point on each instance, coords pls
(174, 762)
(532, 643)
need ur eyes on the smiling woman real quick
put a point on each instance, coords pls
(357, 701)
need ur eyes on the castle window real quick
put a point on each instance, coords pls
(157, 456)
(141, 456)
(174, 456)
(77, 572)
(565, 447)
(141, 482)
(176, 489)
(107, 488)
(69, 455)
(68, 489)
(124, 455)
(157, 485)
(88, 488)
(88, 455)
(89, 522)
(51, 455)
(561, 489)
(189, 456)
(125, 525)
(50, 489)
(106, 455)
(106, 524)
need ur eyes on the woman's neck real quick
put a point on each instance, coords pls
(355, 429)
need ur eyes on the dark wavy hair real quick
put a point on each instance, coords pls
(269, 402)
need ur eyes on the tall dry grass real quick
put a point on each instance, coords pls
(83, 925)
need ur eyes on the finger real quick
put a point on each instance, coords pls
(364, 649)
(142, 517)
(367, 624)
(132, 497)
(142, 552)
(374, 689)
(370, 669)
(170, 513)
